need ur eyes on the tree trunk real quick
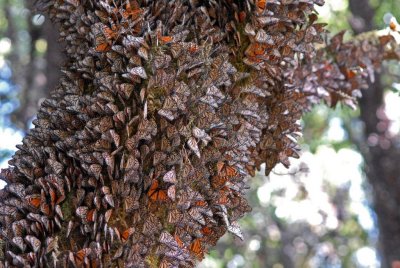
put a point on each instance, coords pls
(36, 78)
(381, 157)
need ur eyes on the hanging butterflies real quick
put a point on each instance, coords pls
(196, 248)
(170, 176)
(34, 200)
(234, 228)
(157, 194)
(226, 170)
(126, 234)
(153, 124)
(33, 242)
(192, 143)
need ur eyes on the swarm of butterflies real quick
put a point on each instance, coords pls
(141, 156)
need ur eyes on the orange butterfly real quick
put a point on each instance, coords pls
(201, 203)
(255, 49)
(242, 16)
(393, 25)
(206, 231)
(126, 234)
(34, 200)
(90, 216)
(225, 170)
(80, 256)
(166, 39)
(223, 199)
(132, 11)
(197, 249)
(223, 195)
(218, 181)
(156, 194)
(179, 241)
(110, 33)
(350, 74)
(53, 197)
(261, 4)
(193, 48)
(103, 47)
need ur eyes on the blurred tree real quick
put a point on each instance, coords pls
(30, 61)
(35, 57)
(378, 146)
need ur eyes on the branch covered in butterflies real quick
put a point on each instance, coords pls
(141, 156)
(342, 69)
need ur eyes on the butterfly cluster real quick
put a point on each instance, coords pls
(141, 156)
(342, 70)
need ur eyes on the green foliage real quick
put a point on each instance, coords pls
(316, 125)
(382, 8)
(335, 13)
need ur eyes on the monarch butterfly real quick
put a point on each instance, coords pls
(385, 39)
(51, 244)
(165, 145)
(16, 188)
(69, 228)
(138, 72)
(192, 143)
(171, 192)
(132, 11)
(206, 230)
(242, 16)
(197, 249)
(34, 242)
(170, 176)
(218, 181)
(234, 228)
(156, 194)
(102, 46)
(226, 170)
(80, 256)
(18, 227)
(251, 170)
(193, 48)
(286, 50)
(108, 214)
(110, 33)
(261, 4)
(223, 199)
(194, 212)
(82, 212)
(201, 203)
(34, 200)
(91, 215)
(152, 225)
(166, 39)
(165, 264)
(45, 208)
(59, 212)
(179, 241)
(174, 216)
(126, 234)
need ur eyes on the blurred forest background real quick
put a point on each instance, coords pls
(337, 206)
